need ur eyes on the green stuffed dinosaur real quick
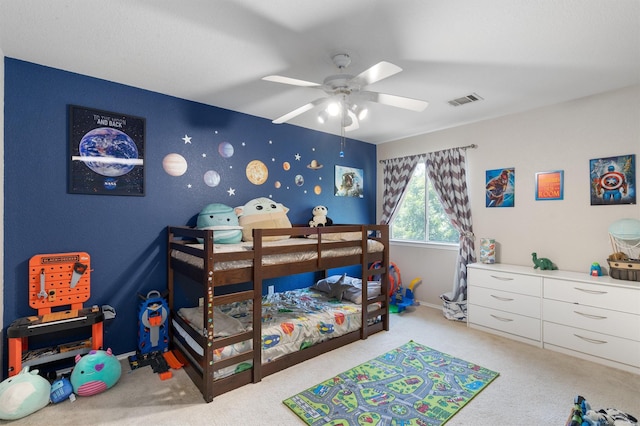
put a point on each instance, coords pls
(543, 263)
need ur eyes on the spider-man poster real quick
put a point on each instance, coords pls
(613, 180)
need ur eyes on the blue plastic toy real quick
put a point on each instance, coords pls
(153, 334)
(61, 390)
(596, 270)
(404, 298)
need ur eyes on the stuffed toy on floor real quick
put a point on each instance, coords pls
(95, 372)
(23, 394)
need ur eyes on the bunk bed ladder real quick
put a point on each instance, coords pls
(257, 305)
(209, 285)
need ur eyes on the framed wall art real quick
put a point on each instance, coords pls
(349, 182)
(613, 180)
(106, 152)
(550, 185)
(500, 187)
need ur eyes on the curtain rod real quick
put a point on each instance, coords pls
(473, 145)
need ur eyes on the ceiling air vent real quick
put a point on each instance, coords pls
(465, 100)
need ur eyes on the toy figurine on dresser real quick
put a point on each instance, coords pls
(543, 263)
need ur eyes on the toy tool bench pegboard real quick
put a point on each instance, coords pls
(56, 280)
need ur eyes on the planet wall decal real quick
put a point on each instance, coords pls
(257, 172)
(286, 165)
(225, 149)
(174, 164)
(212, 178)
(108, 152)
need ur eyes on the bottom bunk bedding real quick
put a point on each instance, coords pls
(291, 321)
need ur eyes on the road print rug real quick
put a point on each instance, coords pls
(408, 386)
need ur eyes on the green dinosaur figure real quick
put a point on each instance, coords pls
(543, 263)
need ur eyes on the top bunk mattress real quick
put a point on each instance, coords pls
(307, 252)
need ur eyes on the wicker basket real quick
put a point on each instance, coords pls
(628, 270)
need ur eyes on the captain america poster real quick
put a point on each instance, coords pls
(613, 180)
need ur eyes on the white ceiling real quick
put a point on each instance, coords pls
(516, 54)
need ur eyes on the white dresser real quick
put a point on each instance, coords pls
(595, 318)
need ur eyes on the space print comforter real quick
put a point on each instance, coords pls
(291, 321)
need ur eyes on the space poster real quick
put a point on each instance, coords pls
(107, 152)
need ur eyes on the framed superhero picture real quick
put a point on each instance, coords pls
(613, 180)
(500, 187)
(107, 152)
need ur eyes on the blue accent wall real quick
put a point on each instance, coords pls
(125, 235)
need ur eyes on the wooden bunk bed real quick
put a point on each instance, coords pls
(216, 271)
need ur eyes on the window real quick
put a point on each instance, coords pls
(421, 216)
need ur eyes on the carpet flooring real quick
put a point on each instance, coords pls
(536, 387)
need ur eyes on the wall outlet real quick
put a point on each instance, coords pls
(271, 290)
(201, 301)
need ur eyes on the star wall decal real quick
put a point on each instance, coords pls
(298, 157)
(231, 191)
(186, 139)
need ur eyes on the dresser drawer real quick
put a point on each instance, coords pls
(600, 296)
(515, 283)
(504, 321)
(613, 323)
(505, 301)
(612, 348)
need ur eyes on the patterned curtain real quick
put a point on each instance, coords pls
(397, 173)
(447, 173)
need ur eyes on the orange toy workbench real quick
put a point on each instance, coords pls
(55, 280)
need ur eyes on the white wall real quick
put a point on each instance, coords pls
(570, 232)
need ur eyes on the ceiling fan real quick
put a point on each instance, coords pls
(346, 94)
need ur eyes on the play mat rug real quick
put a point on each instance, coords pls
(410, 385)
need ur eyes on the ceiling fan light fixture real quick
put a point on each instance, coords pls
(323, 116)
(360, 111)
(333, 109)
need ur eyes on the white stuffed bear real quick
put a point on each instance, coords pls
(320, 217)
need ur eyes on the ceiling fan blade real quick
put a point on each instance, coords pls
(291, 81)
(378, 72)
(397, 101)
(296, 112)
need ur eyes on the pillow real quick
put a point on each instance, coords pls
(262, 213)
(223, 220)
(338, 288)
(352, 287)
(223, 324)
